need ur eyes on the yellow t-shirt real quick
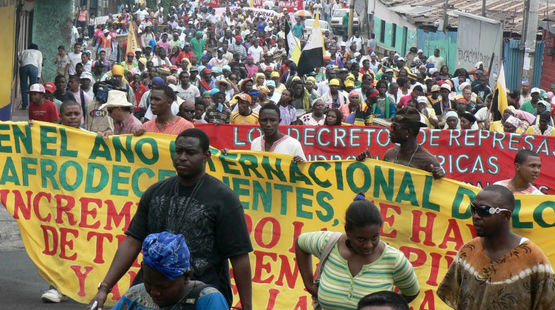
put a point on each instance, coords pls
(237, 119)
(498, 126)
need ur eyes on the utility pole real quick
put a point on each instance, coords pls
(445, 17)
(528, 42)
(351, 13)
(484, 8)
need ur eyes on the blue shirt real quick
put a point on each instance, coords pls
(136, 298)
(298, 30)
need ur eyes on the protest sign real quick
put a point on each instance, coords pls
(476, 157)
(257, 11)
(289, 5)
(73, 193)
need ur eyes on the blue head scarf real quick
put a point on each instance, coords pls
(166, 253)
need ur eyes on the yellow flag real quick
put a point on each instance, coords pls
(132, 42)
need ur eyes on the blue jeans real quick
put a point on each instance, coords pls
(28, 75)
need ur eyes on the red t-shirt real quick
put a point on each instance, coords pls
(182, 55)
(46, 112)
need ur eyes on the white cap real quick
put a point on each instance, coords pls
(422, 99)
(86, 75)
(446, 86)
(463, 86)
(37, 88)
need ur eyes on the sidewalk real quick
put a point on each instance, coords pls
(10, 239)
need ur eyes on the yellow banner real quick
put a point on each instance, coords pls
(7, 37)
(73, 193)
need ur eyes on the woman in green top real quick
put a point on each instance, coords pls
(358, 264)
(197, 44)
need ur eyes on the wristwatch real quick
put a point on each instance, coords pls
(102, 284)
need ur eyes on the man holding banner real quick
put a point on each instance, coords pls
(404, 131)
(202, 208)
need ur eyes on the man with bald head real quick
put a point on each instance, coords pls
(499, 269)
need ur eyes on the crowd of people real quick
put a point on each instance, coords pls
(197, 64)
(226, 65)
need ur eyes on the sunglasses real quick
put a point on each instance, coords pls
(189, 110)
(486, 211)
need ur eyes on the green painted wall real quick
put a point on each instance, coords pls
(388, 35)
(400, 40)
(446, 42)
(411, 39)
(401, 45)
(51, 28)
(377, 28)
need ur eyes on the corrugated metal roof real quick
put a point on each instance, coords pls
(510, 12)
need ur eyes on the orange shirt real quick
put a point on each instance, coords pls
(171, 128)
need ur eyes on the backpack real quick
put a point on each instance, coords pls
(189, 301)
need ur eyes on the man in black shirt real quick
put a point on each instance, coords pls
(203, 209)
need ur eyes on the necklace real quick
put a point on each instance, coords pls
(410, 160)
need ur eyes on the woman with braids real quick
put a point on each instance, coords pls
(355, 263)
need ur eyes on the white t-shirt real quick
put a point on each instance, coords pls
(285, 145)
(256, 53)
(74, 59)
(190, 93)
(308, 119)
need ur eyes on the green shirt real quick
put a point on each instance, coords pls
(346, 20)
(527, 106)
(339, 290)
(197, 47)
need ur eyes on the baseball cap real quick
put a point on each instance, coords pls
(435, 88)
(37, 88)
(334, 82)
(238, 37)
(86, 75)
(348, 83)
(274, 74)
(535, 90)
(244, 97)
(50, 87)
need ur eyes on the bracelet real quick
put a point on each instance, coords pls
(103, 284)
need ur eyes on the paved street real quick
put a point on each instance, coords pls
(21, 286)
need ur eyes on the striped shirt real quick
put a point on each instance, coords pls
(338, 289)
(170, 128)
